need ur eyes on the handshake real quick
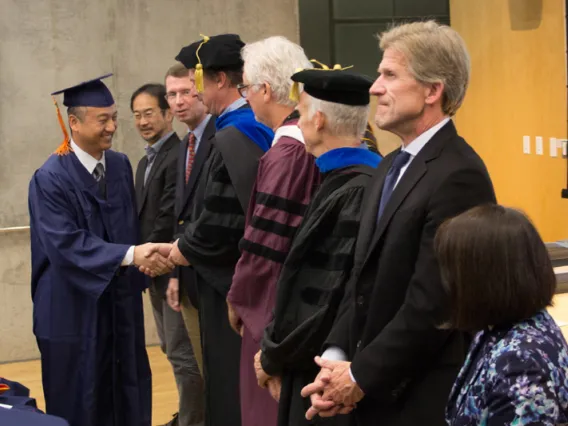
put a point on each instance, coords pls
(154, 259)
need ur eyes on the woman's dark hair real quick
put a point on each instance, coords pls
(495, 267)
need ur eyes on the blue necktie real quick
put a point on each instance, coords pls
(392, 176)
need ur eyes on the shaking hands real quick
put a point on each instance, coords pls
(154, 259)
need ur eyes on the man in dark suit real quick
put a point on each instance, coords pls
(155, 193)
(193, 153)
(387, 357)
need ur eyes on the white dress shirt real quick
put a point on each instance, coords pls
(335, 353)
(90, 162)
(414, 147)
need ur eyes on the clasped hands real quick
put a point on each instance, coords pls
(333, 391)
(155, 259)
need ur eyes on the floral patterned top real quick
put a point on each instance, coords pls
(516, 375)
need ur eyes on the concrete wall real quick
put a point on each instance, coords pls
(46, 45)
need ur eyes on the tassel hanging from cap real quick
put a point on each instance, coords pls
(199, 67)
(369, 135)
(294, 95)
(65, 147)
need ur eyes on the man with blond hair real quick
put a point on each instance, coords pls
(387, 354)
(286, 179)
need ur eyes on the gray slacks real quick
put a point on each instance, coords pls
(176, 345)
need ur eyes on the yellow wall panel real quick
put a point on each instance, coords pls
(518, 88)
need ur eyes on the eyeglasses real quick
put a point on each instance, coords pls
(148, 114)
(244, 88)
(170, 96)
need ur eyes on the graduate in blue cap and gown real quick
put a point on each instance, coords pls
(87, 316)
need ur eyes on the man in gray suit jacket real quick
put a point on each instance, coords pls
(156, 195)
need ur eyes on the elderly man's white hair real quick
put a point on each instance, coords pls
(273, 61)
(341, 120)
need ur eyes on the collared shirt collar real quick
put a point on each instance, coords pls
(414, 147)
(88, 161)
(200, 129)
(234, 106)
(156, 147)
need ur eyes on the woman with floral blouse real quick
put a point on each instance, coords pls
(500, 280)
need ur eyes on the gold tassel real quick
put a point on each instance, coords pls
(294, 95)
(199, 78)
(65, 147)
(369, 135)
(323, 66)
(295, 92)
(199, 67)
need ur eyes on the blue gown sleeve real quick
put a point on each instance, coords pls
(59, 228)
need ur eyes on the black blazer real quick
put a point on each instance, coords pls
(186, 198)
(156, 200)
(395, 301)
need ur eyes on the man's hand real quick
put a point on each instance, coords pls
(261, 375)
(152, 258)
(321, 405)
(235, 320)
(172, 294)
(176, 257)
(315, 391)
(274, 387)
(340, 388)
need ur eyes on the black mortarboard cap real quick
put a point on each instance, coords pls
(338, 85)
(216, 52)
(91, 93)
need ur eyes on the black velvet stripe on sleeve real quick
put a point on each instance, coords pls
(273, 227)
(273, 201)
(263, 251)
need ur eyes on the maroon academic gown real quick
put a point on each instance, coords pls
(286, 180)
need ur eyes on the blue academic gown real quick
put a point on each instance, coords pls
(88, 317)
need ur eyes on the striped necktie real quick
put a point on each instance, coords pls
(190, 156)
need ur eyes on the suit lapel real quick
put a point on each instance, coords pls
(200, 158)
(413, 174)
(371, 207)
(416, 170)
(160, 157)
(139, 184)
(180, 183)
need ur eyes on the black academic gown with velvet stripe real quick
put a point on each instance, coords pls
(88, 317)
(311, 287)
(211, 245)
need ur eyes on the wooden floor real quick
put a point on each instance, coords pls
(165, 397)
